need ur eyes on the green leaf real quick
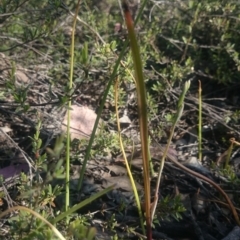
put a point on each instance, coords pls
(82, 204)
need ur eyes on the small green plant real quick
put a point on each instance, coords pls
(78, 231)
(171, 51)
(112, 223)
(170, 207)
(34, 229)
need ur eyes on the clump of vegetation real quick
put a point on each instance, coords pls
(179, 42)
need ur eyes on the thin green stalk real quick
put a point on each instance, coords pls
(178, 115)
(150, 159)
(81, 204)
(112, 77)
(200, 122)
(142, 111)
(126, 161)
(229, 153)
(67, 179)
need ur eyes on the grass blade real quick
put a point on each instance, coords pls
(142, 111)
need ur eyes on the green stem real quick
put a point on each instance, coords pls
(176, 119)
(126, 161)
(67, 179)
(142, 111)
(200, 123)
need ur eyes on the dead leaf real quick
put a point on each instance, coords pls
(116, 170)
(121, 182)
(82, 122)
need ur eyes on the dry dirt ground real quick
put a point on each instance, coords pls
(206, 216)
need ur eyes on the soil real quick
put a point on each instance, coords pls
(207, 215)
